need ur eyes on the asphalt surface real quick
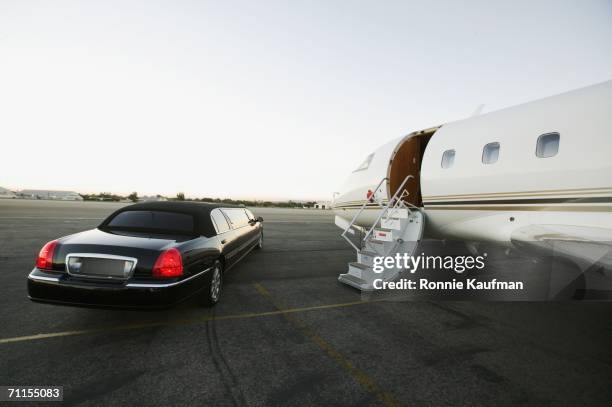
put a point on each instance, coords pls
(286, 333)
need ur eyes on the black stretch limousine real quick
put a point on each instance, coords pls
(147, 255)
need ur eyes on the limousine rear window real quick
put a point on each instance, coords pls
(153, 221)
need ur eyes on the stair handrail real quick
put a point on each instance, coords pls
(365, 203)
(400, 199)
(386, 208)
(400, 204)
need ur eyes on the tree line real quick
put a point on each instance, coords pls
(107, 196)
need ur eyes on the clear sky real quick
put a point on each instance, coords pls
(265, 99)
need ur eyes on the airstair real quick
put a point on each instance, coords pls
(397, 229)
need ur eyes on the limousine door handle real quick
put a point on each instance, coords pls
(223, 241)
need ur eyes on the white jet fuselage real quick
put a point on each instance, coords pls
(548, 176)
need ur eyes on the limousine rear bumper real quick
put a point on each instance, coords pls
(62, 289)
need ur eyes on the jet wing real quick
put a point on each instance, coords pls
(586, 246)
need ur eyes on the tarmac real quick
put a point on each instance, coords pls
(287, 333)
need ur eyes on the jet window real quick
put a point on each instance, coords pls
(448, 158)
(548, 145)
(490, 153)
(365, 164)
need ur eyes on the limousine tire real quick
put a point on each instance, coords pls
(212, 292)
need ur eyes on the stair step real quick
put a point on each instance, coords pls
(383, 234)
(397, 214)
(359, 265)
(377, 241)
(354, 281)
(358, 269)
(365, 280)
(366, 257)
(390, 223)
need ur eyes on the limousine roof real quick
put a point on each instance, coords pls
(199, 210)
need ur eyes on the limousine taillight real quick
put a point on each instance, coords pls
(45, 256)
(169, 264)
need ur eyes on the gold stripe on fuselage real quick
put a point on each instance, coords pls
(547, 193)
(510, 208)
(517, 207)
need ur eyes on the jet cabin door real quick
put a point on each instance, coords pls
(405, 161)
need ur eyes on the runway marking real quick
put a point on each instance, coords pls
(360, 376)
(179, 322)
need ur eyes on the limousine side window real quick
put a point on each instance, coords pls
(448, 158)
(237, 217)
(548, 145)
(219, 221)
(490, 153)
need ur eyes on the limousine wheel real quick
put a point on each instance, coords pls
(215, 285)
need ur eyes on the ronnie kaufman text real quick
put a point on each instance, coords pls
(469, 284)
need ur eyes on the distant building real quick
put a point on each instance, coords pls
(49, 194)
(322, 205)
(152, 198)
(6, 194)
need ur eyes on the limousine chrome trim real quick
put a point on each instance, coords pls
(134, 261)
(164, 285)
(31, 276)
(34, 277)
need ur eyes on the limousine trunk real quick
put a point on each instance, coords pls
(113, 256)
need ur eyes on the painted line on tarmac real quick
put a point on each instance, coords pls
(178, 322)
(360, 376)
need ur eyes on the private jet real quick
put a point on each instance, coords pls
(533, 177)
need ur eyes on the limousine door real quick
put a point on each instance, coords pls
(254, 229)
(240, 229)
(227, 237)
